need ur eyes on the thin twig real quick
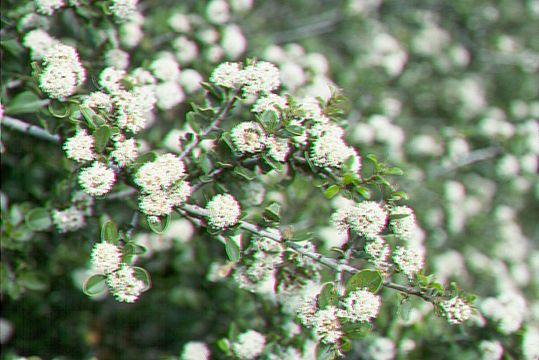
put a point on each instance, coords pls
(24, 127)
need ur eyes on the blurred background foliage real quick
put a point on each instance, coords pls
(447, 90)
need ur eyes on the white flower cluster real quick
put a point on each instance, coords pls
(378, 252)
(63, 72)
(98, 100)
(169, 93)
(248, 137)
(80, 147)
(326, 325)
(97, 180)
(121, 281)
(491, 350)
(332, 151)
(360, 305)
(39, 42)
(404, 224)
(249, 345)
(223, 211)
(125, 150)
(456, 310)
(367, 218)
(162, 185)
(195, 350)
(508, 310)
(260, 77)
(47, 7)
(124, 285)
(123, 9)
(270, 102)
(70, 219)
(409, 261)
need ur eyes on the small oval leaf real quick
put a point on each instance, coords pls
(94, 285)
(369, 279)
(143, 275)
(109, 232)
(38, 219)
(232, 249)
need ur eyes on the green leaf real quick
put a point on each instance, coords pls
(369, 279)
(349, 178)
(143, 275)
(324, 352)
(356, 330)
(32, 280)
(328, 296)
(109, 232)
(244, 173)
(272, 212)
(398, 195)
(398, 216)
(269, 120)
(193, 120)
(364, 192)
(295, 130)
(94, 285)
(161, 225)
(332, 191)
(144, 158)
(224, 345)
(38, 219)
(24, 103)
(394, 171)
(232, 249)
(130, 249)
(102, 136)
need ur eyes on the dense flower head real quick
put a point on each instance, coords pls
(278, 148)
(169, 94)
(491, 350)
(248, 136)
(262, 76)
(403, 227)
(270, 102)
(156, 203)
(66, 56)
(456, 310)
(124, 285)
(227, 74)
(409, 261)
(98, 100)
(129, 110)
(97, 179)
(106, 257)
(47, 7)
(80, 147)
(332, 151)
(160, 173)
(110, 79)
(360, 305)
(327, 326)
(195, 350)
(367, 218)
(58, 81)
(70, 219)
(125, 150)
(249, 345)
(165, 68)
(223, 211)
(378, 252)
(39, 42)
(123, 9)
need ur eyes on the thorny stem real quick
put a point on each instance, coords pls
(30, 129)
(329, 262)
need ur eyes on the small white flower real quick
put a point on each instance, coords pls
(233, 41)
(279, 148)
(270, 102)
(260, 77)
(156, 203)
(160, 173)
(190, 80)
(248, 137)
(217, 12)
(97, 179)
(367, 218)
(332, 151)
(360, 305)
(491, 350)
(409, 261)
(47, 7)
(39, 42)
(249, 345)
(403, 227)
(169, 94)
(165, 68)
(98, 100)
(124, 285)
(195, 350)
(106, 257)
(80, 147)
(125, 151)
(70, 219)
(123, 9)
(326, 325)
(117, 59)
(110, 79)
(58, 81)
(227, 75)
(456, 310)
(186, 50)
(224, 211)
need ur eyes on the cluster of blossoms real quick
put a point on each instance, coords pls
(260, 77)
(223, 211)
(162, 185)
(329, 150)
(249, 345)
(47, 7)
(456, 310)
(73, 218)
(403, 222)
(97, 180)
(62, 72)
(367, 218)
(360, 305)
(122, 283)
(195, 350)
(409, 261)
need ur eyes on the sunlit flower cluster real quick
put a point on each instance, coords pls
(223, 211)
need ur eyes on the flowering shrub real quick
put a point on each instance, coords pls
(226, 191)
